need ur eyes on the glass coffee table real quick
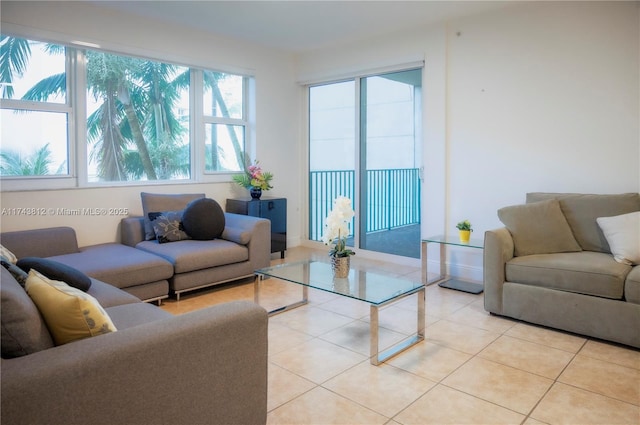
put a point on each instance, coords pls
(376, 289)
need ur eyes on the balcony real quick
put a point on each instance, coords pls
(389, 207)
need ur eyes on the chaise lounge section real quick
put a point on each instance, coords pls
(139, 273)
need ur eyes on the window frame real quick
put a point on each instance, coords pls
(75, 107)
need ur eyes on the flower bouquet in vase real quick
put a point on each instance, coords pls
(336, 232)
(254, 179)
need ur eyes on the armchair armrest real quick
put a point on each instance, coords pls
(498, 249)
(209, 366)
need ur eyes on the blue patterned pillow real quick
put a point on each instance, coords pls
(168, 226)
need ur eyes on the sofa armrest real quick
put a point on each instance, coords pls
(498, 249)
(257, 231)
(208, 366)
(132, 231)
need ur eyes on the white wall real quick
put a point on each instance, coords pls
(277, 110)
(537, 96)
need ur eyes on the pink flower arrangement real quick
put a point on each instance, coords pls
(254, 177)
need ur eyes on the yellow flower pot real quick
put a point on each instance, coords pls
(464, 235)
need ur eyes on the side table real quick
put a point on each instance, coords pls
(443, 280)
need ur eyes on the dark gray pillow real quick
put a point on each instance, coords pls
(203, 219)
(168, 226)
(56, 271)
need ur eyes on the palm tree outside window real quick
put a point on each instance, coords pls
(138, 116)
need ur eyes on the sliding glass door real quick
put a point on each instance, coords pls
(364, 143)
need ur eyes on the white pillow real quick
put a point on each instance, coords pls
(623, 235)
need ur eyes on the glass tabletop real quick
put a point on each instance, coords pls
(361, 285)
(455, 240)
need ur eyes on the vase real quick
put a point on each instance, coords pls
(464, 235)
(340, 266)
(255, 192)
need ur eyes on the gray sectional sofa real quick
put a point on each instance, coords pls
(205, 367)
(150, 270)
(552, 265)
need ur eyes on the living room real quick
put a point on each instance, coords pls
(520, 97)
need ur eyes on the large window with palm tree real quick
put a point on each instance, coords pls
(141, 119)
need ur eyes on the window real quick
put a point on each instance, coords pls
(137, 119)
(225, 121)
(35, 108)
(141, 120)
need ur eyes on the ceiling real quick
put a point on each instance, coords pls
(298, 26)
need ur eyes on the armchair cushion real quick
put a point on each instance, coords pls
(581, 211)
(538, 228)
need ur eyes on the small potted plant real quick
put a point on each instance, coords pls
(464, 229)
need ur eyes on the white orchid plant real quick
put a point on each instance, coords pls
(336, 227)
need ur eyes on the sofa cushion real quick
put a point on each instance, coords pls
(23, 329)
(154, 202)
(167, 226)
(538, 228)
(193, 255)
(119, 265)
(623, 236)
(56, 271)
(581, 211)
(108, 295)
(69, 313)
(632, 286)
(204, 219)
(586, 272)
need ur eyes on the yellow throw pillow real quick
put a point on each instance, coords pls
(69, 313)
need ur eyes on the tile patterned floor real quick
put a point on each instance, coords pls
(473, 368)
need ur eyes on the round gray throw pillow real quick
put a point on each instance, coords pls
(203, 219)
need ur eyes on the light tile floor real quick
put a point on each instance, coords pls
(473, 368)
